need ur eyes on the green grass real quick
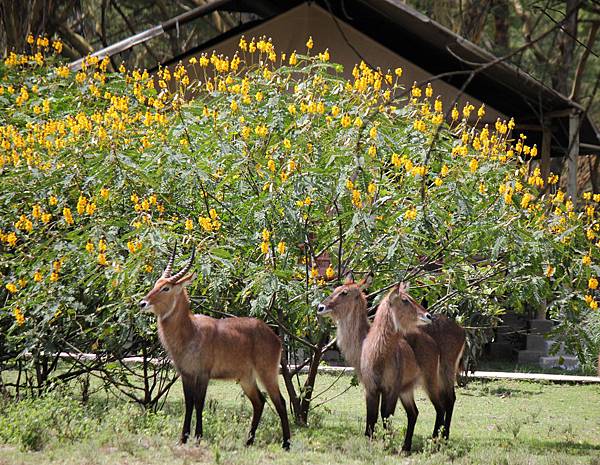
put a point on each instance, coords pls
(500, 422)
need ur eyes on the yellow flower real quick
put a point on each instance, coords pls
(438, 181)
(481, 111)
(533, 151)
(586, 260)
(102, 259)
(37, 276)
(19, 318)
(189, 225)
(266, 234)
(345, 121)
(329, 272)
(281, 247)
(264, 247)
(428, 90)
(314, 272)
(373, 132)
(10, 287)
(473, 165)
(68, 215)
(593, 283)
(310, 43)
(358, 122)
(148, 268)
(372, 151)
(131, 247)
(54, 276)
(527, 198)
(411, 213)
(371, 188)
(356, 200)
(415, 91)
(550, 271)
(287, 144)
(455, 114)
(102, 245)
(89, 246)
(594, 305)
(52, 200)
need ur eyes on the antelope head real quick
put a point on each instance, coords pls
(407, 314)
(169, 288)
(346, 299)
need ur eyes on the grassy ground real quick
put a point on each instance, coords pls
(500, 422)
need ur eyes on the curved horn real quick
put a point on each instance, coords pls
(169, 268)
(186, 268)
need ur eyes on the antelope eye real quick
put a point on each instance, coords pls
(165, 289)
(345, 292)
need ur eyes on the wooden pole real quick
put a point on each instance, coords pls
(546, 147)
(573, 154)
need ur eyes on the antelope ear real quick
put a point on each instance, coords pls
(366, 282)
(349, 278)
(402, 287)
(187, 280)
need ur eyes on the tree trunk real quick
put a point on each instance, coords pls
(566, 46)
(20, 18)
(500, 11)
(474, 18)
(309, 384)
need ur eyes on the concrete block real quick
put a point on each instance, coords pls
(502, 350)
(530, 356)
(566, 362)
(540, 326)
(536, 342)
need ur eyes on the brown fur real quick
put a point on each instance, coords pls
(204, 348)
(436, 348)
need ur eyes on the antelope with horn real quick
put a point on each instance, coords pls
(204, 348)
(436, 350)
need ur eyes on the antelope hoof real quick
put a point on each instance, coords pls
(250, 441)
(183, 439)
(286, 445)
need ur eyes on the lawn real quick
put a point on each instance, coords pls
(501, 422)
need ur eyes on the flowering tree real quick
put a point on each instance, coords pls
(285, 176)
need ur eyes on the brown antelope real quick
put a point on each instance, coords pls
(437, 349)
(204, 348)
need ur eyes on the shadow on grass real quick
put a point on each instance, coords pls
(567, 447)
(500, 391)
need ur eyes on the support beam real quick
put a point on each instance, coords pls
(574, 123)
(155, 31)
(546, 148)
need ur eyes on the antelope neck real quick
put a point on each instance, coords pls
(177, 323)
(351, 333)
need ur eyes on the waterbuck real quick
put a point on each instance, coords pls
(204, 348)
(436, 348)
